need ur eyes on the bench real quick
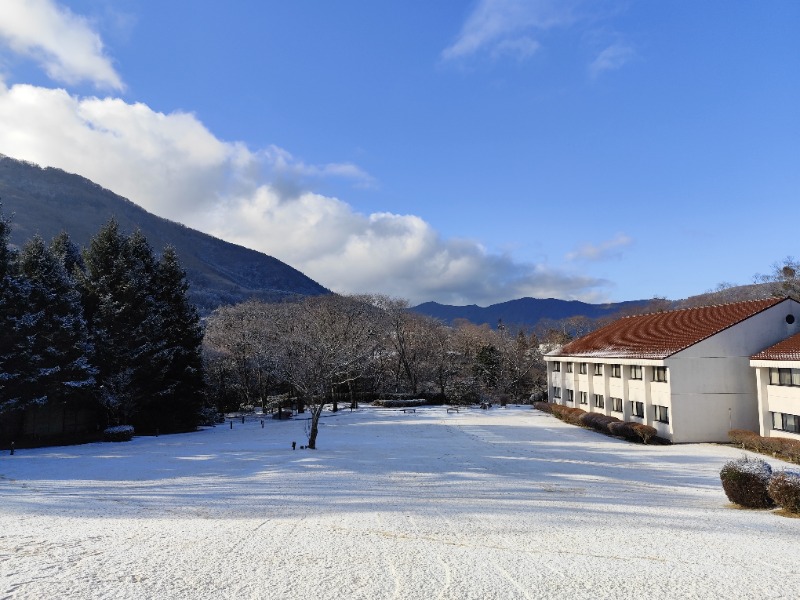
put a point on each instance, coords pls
(452, 409)
(409, 410)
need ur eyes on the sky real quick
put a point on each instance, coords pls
(470, 151)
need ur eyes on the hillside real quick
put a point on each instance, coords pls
(524, 311)
(47, 201)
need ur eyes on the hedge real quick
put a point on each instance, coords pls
(745, 482)
(783, 448)
(120, 433)
(784, 490)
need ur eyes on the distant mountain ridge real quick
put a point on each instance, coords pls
(524, 311)
(48, 200)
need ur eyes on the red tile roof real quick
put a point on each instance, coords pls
(788, 349)
(659, 335)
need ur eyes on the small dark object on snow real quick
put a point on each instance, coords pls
(294, 445)
(262, 423)
(12, 448)
(242, 419)
(231, 424)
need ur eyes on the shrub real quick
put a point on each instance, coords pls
(597, 421)
(742, 437)
(572, 415)
(745, 482)
(623, 429)
(784, 490)
(544, 407)
(645, 432)
(120, 433)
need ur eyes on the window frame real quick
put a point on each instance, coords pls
(583, 397)
(570, 395)
(661, 413)
(616, 402)
(583, 368)
(782, 376)
(616, 371)
(599, 401)
(637, 409)
(598, 369)
(570, 368)
(660, 374)
(556, 392)
(635, 372)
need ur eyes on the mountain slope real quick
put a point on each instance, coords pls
(524, 311)
(47, 201)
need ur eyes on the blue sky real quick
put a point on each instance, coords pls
(465, 152)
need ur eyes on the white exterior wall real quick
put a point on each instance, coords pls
(775, 398)
(713, 389)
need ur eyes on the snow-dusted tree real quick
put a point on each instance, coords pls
(14, 338)
(144, 333)
(68, 254)
(326, 341)
(240, 351)
(179, 336)
(59, 352)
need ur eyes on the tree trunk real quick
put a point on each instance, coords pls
(316, 412)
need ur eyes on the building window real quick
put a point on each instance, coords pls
(599, 401)
(598, 369)
(786, 422)
(556, 367)
(616, 371)
(557, 392)
(583, 398)
(569, 367)
(784, 377)
(570, 396)
(660, 374)
(636, 372)
(637, 409)
(661, 413)
(583, 368)
(616, 405)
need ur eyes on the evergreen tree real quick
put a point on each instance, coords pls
(58, 353)
(117, 306)
(177, 363)
(146, 335)
(67, 253)
(14, 341)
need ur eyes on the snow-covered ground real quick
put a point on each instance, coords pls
(506, 503)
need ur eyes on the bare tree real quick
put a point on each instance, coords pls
(324, 342)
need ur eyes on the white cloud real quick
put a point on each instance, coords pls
(174, 167)
(63, 43)
(611, 58)
(602, 251)
(496, 25)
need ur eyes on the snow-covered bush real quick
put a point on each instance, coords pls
(745, 482)
(544, 407)
(120, 433)
(784, 489)
(784, 448)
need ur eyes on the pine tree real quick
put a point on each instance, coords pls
(58, 356)
(181, 336)
(68, 254)
(117, 306)
(14, 343)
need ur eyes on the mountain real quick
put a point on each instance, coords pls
(524, 311)
(47, 201)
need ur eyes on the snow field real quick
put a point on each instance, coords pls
(506, 503)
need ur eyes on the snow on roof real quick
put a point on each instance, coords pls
(788, 349)
(656, 336)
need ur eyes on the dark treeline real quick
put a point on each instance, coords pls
(95, 338)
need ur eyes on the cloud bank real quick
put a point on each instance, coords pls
(603, 251)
